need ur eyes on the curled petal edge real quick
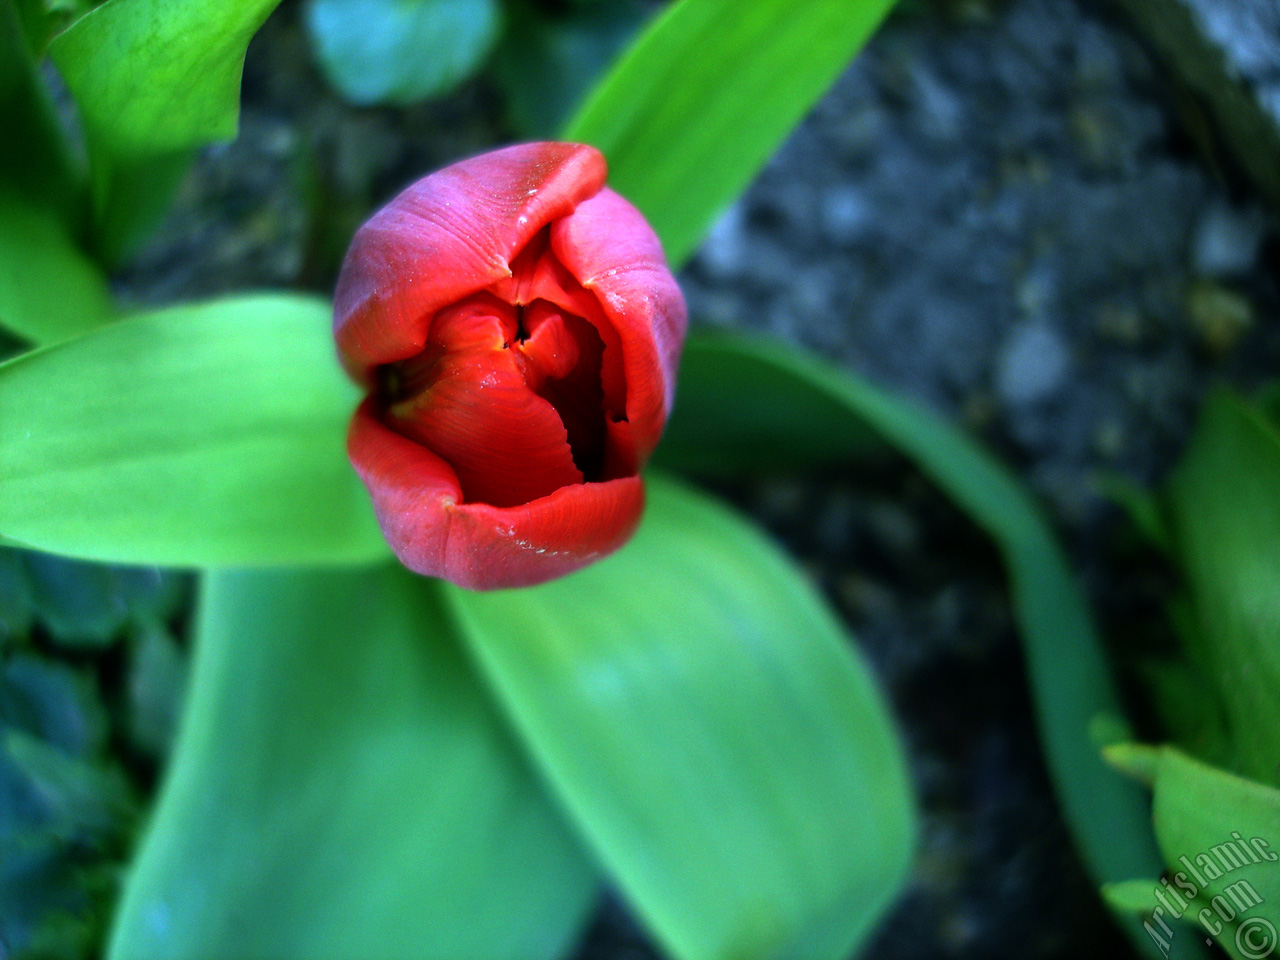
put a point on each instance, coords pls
(449, 235)
(613, 252)
(417, 500)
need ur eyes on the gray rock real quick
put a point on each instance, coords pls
(846, 214)
(1033, 364)
(1227, 241)
(724, 252)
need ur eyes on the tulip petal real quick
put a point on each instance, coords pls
(447, 236)
(416, 496)
(607, 245)
(561, 363)
(475, 408)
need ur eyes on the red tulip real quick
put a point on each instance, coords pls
(518, 330)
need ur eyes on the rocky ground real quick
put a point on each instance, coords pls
(1013, 211)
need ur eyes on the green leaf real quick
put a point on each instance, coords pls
(708, 93)
(204, 434)
(1131, 896)
(1068, 669)
(1268, 401)
(17, 606)
(158, 76)
(132, 197)
(35, 163)
(1218, 835)
(41, 19)
(1224, 504)
(49, 288)
(152, 80)
(342, 789)
(737, 413)
(706, 723)
(400, 51)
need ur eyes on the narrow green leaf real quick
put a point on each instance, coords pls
(1137, 760)
(1131, 896)
(131, 198)
(342, 789)
(49, 288)
(1219, 835)
(1068, 669)
(706, 723)
(694, 108)
(1268, 401)
(737, 414)
(400, 51)
(17, 606)
(35, 163)
(157, 679)
(204, 434)
(1224, 502)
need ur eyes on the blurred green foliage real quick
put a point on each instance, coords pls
(1217, 691)
(400, 51)
(75, 760)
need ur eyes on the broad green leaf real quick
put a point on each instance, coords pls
(713, 735)
(1068, 669)
(205, 434)
(157, 76)
(400, 51)
(152, 80)
(697, 105)
(343, 789)
(49, 288)
(1224, 505)
(1220, 835)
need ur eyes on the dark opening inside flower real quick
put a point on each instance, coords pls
(518, 331)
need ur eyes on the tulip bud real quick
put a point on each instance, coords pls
(517, 330)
